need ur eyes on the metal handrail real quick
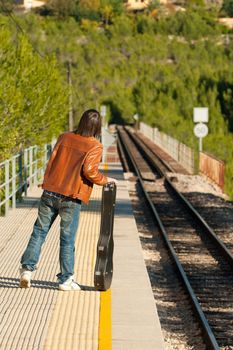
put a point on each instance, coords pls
(21, 171)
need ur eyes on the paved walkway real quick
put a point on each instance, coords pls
(42, 317)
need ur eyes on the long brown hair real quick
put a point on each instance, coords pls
(89, 124)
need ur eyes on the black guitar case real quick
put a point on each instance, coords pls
(104, 259)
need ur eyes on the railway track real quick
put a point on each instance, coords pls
(203, 262)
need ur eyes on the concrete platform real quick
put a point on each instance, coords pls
(42, 317)
(135, 323)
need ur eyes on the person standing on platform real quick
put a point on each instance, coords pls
(69, 177)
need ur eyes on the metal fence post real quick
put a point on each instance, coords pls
(30, 165)
(20, 174)
(25, 171)
(14, 182)
(36, 166)
(7, 186)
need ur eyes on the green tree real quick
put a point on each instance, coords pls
(228, 7)
(61, 8)
(34, 102)
(116, 5)
(89, 4)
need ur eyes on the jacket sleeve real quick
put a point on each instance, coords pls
(91, 164)
(53, 155)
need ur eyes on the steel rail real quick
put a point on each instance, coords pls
(122, 155)
(207, 331)
(202, 223)
(145, 148)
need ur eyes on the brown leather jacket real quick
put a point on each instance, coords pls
(73, 166)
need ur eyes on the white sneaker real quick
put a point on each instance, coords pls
(69, 284)
(25, 278)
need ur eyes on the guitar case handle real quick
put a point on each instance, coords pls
(104, 257)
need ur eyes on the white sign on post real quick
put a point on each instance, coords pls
(103, 111)
(200, 130)
(200, 115)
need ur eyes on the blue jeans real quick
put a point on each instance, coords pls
(50, 207)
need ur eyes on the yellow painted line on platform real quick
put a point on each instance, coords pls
(105, 325)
